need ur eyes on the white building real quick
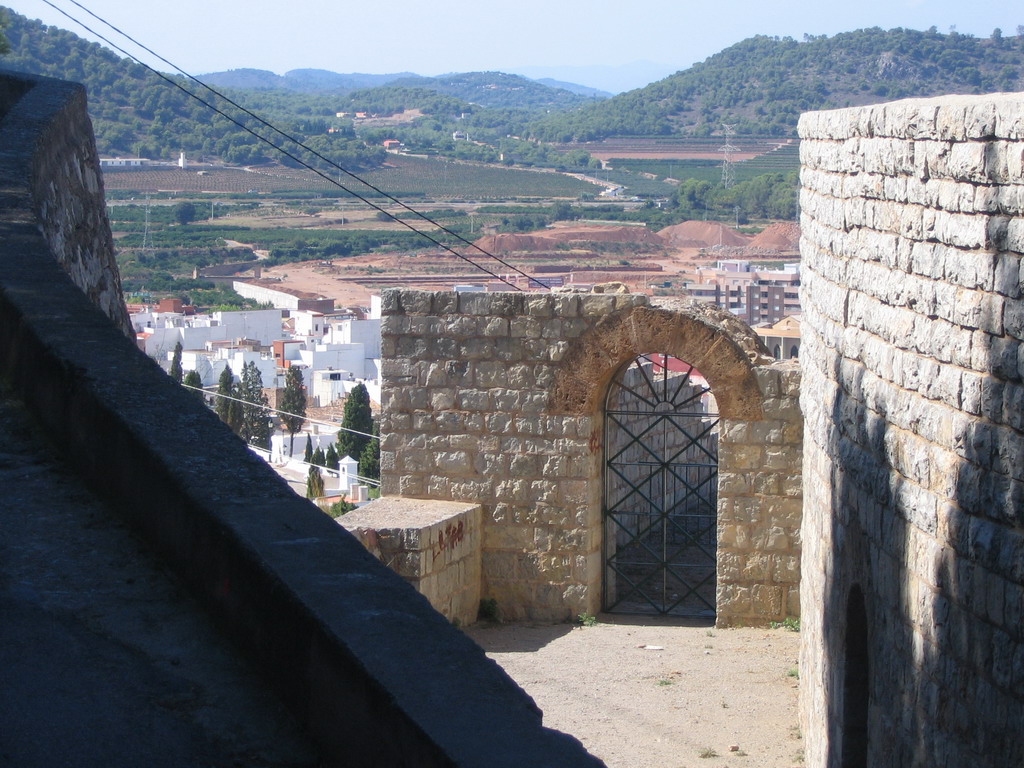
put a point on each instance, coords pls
(309, 324)
(363, 332)
(162, 330)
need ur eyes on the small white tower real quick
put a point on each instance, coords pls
(182, 162)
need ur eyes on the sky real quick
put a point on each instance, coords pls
(608, 44)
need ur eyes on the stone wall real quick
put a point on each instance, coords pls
(497, 399)
(913, 559)
(61, 185)
(433, 545)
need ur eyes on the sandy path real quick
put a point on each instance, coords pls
(708, 690)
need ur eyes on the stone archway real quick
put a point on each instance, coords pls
(497, 399)
(724, 348)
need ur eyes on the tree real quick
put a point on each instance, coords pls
(184, 213)
(224, 389)
(235, 408)
(255, 427)
(314, 483)
(308, 455)
(369, 459)
(176, 372)
(318, 458)
(331, 457)
(193, 379)
(340, 508)
(293, 403)
(357, 417)
(5, 47)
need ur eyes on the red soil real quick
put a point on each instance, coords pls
(692, 234)
(781, 236)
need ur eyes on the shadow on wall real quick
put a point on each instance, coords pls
(922, 619)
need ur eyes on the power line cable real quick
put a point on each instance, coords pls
(267, 408)
(299, 143)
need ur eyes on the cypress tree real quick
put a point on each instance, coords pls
(293, 401)
(369, 459)
(193, 379)
(176, 372)
(314, 483)
(318, 458)
(235, 412)
(308, 455)
(359, 417)
(224, 387)
(255, 427)
(331, 457)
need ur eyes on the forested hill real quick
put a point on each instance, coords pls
(762, 84)
(487, 89)
(135, 112)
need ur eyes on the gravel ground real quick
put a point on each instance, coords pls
(657, 693)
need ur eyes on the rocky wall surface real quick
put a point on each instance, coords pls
(913, 559)
(49, 167)
(498, 399)
(760, 505)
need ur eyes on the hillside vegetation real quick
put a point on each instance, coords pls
(762, 84)
(135, 112)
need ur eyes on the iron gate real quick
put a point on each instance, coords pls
(660, 490)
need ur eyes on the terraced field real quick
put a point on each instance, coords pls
(782, 158)
(405, 177)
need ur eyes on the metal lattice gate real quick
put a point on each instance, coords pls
(660, 490)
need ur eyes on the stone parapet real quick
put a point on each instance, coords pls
(433, 545)
(912, 397)
(50, 171)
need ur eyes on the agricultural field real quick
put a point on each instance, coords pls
(784, 159)
(636, 183)
(402, 176)
(679, 148)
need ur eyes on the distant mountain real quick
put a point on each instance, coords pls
(301, 80)
(488, 89)
(610, 78)
(135, 112)
(582, 90)
(497, 90)
(762, 84)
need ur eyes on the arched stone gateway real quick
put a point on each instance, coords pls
(499, 399)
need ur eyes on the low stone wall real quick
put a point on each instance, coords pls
(433, 545)
(913, 394)
(498, 399)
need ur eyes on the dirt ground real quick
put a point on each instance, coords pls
(313, 277)
(658, 693)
